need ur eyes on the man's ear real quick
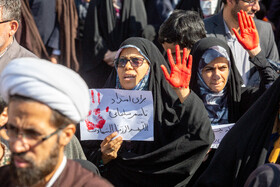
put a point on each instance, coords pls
(66, 134)
(13, 27)
(231, 1)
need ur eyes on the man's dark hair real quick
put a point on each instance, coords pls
(3, 104)
(11, 10)
(225, 1)
(57, 119)
(184, 28)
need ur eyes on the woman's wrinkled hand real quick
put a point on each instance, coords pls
(110, 147)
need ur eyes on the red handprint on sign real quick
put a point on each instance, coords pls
(96, 115)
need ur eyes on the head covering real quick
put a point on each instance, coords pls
(156, 82)
(104, 31)
(246, 145)
(215, 103)
(228, 100)
(266, 175)
(143, 83)
(54, 85)
(182, 133)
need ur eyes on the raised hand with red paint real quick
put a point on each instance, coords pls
(180, 75)
(248, 37)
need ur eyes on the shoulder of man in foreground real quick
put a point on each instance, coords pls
(75, 175)
(72, 175)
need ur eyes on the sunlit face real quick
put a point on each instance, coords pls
(246, 7)
(130, 76)
(32, 160)
(215, 74)
(5, 29)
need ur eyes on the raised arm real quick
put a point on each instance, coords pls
(249, 39)
(180, 75)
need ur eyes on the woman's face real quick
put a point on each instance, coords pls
(130, 76)
(215, 74)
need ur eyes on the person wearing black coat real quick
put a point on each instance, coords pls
(107, 25)
(248, 144)
(182, 130)
(233, 97)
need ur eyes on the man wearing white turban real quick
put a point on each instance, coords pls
(45, 101)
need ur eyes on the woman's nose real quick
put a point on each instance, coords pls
(216, 75)
(128, 66)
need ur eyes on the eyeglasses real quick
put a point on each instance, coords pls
(31, 137)
(251, 2)
(134, 61)
(5, 21)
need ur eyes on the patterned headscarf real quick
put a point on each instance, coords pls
(215, 103)
(143, 84)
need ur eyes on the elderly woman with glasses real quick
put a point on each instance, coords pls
(182, 130)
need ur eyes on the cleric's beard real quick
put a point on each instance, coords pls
(36, 171)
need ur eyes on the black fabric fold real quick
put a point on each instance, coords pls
(104, 31)
(182, 134)
(239, 98)
(245, 146)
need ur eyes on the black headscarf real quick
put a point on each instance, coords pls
(182, 134)
(246, 145)
(234, 80)
(104, 31)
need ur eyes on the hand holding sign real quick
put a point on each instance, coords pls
(110, 147)
(130, 113)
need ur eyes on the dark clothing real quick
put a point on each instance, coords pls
(182, 134)
(266, 175)
(104, 31)
(246, 145)
(67, 19)
(13, 52)
(195, 6)
(44, 14)
(72, 175)
(88, 165)
(274, 16)
(28, 35)
(68, 24)
(239, 98)
(82, 13)
(157, 12)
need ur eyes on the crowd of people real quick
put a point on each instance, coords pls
(206, 63)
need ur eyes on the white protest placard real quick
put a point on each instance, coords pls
(129, 112)
(220, 131)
